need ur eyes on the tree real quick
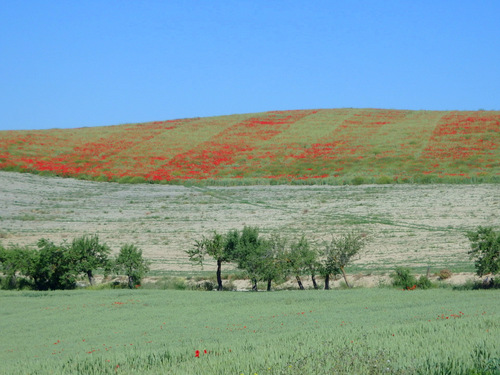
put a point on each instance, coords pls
(485, 250)
(301, 258)
(12, 261)
(273, 260)
(328, 265)
(50, 267)
(132, 264)
(249, 253)
(217, 246)
(339, 253)
(88, 254)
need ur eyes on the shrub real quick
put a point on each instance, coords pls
(444, 274)
(384, 180)
(402, 278)
(132, 264)
(485, 250)
(358, 180)
(176, 283)
(424, 283)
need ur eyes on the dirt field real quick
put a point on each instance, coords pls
(411, 225)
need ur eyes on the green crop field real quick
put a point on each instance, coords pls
(359, 331)
(327, 146)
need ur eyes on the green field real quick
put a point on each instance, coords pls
(360, 331)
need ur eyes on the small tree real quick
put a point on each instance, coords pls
(485, 250)
(249, 253)
(273, 260)
(328, 264)
(88, 254)
(50, 267)
(218, 247)
(403, 278)
(341, 250)
(132, 264)
(301, 258)
(10, 265)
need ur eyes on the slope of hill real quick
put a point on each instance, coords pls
(334, 146)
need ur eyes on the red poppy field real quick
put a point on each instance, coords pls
(333, 146)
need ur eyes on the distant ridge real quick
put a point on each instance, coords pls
(333, 146)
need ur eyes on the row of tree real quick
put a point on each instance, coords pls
(52, 266)
(277, 258)
(269, 259)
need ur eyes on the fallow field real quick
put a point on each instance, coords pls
(409, 225)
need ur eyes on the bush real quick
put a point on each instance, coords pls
(206, 285)
(384, 180)
(402, 278)
(175, 283)
(132, 264)
(358, 180)
(485, 250)
(424, 283)
(444, 274)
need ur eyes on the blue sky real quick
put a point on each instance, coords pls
(67, 64)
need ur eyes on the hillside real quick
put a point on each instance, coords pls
(334, 146)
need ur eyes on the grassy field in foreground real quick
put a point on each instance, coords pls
(328, 146)
(151, 332)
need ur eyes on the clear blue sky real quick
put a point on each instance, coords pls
(70, 64)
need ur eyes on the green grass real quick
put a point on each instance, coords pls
(290, 332)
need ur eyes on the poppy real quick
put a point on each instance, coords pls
(197, 353)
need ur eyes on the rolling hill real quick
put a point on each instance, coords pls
(331, 146)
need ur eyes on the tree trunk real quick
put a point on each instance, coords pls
(327, 282)
(345, 277)
(254, 285)
(219, 278)
(301, 287)
(315, 284)
(91, 277)
(131, 282)
(12, 281)
(269, 285)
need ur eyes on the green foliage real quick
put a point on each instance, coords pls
(485, 250)
(402, 278)
(13, 261)
(358, 180)
(219, 247)
(424, 282)
(132, 264)
(250, 254)
(384, 180)
(301, 258)
(88, 254)
(51, 267)
(340, 251)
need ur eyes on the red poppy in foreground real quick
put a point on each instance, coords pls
(197, 353)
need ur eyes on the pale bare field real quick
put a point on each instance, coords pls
(411, 225)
